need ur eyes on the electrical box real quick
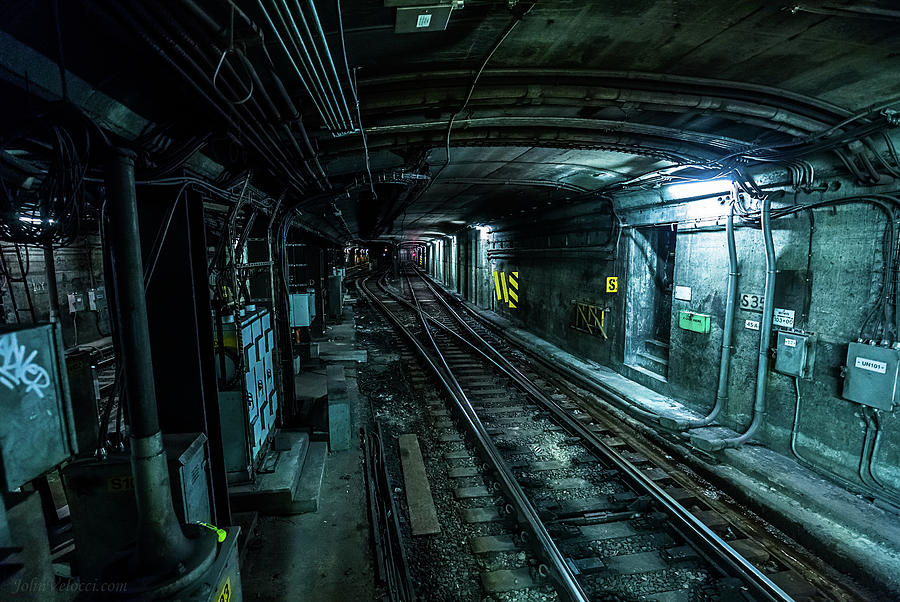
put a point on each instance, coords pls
(299, 310)
(870, 377)
(688, 320)
(422, 18)
(248, 414)
(85, 395)
(96, 299)
(312, 303)
(76, 302)
(102, 504)
(37, 430)
(792, 353)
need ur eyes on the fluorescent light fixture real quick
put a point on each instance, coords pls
(708, 208)
(698, 189)
(457, 221)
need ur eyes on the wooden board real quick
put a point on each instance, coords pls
(422, 513)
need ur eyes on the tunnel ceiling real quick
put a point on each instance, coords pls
(549, 102)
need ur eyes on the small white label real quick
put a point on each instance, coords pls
(871, 365)
(790, 342)
(423, 21)
(683, 293)
(751, 324)
(784, 318)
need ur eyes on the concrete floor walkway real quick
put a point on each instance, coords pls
(322, 556)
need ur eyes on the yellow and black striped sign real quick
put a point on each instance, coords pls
(507, 288)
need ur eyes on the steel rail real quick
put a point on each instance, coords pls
(711, 546)
(567, 586)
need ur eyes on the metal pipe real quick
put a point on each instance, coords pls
(161, 544)
(762, 368)
(258, 121)
(727, 332)
(321, 73)
(865, 455)
(325, 115)
(294, 114)
(330, 100)
(873, 466)
(251, 130)
(880, 494)
(337, 79)
(52, 290)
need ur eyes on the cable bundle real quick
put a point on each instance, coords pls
(46, 205)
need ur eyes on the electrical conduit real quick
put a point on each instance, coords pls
(727, 332)
(759, 402)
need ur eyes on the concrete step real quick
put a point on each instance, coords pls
(657, 348)
(657, 364)
(272, 492)
(306, 495)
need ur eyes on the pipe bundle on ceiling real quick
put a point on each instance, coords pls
(229, 82)
(299, 32)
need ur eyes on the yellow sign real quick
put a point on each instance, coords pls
(612, 284)
(507, 288)
(225, 592)
(120, 483)
(590, 319)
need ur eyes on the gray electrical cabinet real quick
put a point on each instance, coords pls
(249, 413)
(791, 353)
(870, 377)
(102, 504)
(37, 429)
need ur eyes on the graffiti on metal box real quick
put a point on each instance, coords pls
(20, 370)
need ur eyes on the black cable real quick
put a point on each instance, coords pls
(59, 47)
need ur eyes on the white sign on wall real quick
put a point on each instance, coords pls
(784, 318)
(871, 365)
(683, 293)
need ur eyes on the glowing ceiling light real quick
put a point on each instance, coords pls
(699, 189)
(457, 221)
(34, 220)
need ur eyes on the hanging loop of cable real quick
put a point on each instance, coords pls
(242, 59)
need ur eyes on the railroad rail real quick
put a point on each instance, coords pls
(562, 533)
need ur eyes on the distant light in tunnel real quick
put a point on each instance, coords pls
(695, 189)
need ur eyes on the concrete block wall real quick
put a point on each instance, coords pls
(78, 268)
(844, 259)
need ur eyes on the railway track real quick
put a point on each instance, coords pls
(558, 496)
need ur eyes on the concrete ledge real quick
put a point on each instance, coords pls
(310, 387)
(338, 409)
(306, 496)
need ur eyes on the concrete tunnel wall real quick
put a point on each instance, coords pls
(844, 260)
(78, 269)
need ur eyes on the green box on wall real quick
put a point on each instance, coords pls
(688, 320)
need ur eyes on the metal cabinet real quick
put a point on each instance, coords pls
(248, 428)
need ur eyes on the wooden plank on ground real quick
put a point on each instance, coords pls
(422, 513)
